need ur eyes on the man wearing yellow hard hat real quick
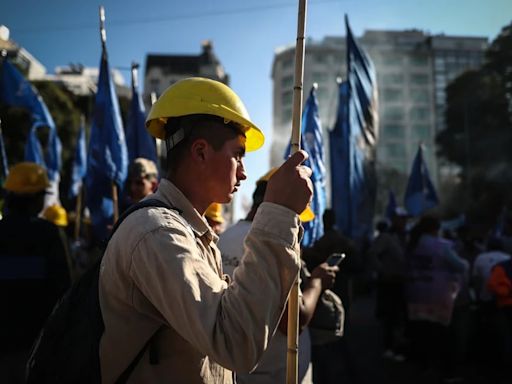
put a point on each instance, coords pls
(33, 272)
(162, 278)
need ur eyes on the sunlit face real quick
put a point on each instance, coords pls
(226, 170)
(140, 187)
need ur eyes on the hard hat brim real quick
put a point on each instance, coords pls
(307, 215)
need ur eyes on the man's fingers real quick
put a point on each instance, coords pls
(296, 159)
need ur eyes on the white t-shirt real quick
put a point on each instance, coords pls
(482, 270)
(272, 366)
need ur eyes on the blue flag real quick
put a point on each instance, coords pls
(79, 164)
(107, 161)
(392, 206)
(420, 194)
(4, 166)
(312, 143)
(138, 140)
(33, 150)
(16, 91)
(353, 142)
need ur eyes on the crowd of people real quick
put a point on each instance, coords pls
(210, 302)
(443, 297)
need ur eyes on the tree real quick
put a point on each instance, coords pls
(478, 136)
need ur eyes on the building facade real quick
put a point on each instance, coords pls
(164, 70)
(413, 70)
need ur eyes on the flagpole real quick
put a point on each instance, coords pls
(78, 213)
(292, 361)
(103, 37)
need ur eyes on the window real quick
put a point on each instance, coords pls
(320, 59)
(287, 97)
(419, 114)
(319, 77)
(287, 63)
(395, 150)
(393, 131)
(421, 132)
(392, 79)
(419, 61)
(393, 113)
(287, 82)
(419, 78)
(388, 95)
(419, 95)
(390, 60)
(287, 115)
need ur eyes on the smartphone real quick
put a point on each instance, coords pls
(334, 259)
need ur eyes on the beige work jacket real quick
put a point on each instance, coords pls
(162, 272)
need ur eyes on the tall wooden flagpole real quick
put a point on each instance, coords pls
(293, 301)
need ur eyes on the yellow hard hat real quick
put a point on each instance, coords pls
(56, 214)
(196, 96)
(214, 213)
(26, 178)
(306, 215)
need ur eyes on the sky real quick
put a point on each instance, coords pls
(244, 33)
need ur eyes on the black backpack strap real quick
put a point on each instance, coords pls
(135, 207)
(123, 378)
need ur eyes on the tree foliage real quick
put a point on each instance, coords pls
(478, 137)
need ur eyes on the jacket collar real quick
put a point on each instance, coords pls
(169, 193)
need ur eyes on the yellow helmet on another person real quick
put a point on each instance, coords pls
(56, 214)
(306, 215)
(214, 213)
(197, 96)
(26, 178)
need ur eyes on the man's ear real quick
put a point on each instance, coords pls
(199, 150)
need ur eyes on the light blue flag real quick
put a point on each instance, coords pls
(354, 145)
(312, 143)
(33, 150)
(107, 161)
(16, 91)
(420, 194)
(138, 140)
(79, 167)
(4, 166)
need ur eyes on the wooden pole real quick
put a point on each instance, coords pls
(292, 357)
(115, 202)
(78, 213)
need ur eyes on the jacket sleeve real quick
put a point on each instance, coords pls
(230, 323)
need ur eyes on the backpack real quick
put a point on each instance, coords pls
(67, 348)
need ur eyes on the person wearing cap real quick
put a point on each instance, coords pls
(142, 181)
(213, 216)
(33, 267)
(161, 283)
(272, 366)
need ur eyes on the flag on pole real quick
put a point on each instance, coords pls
(33, 150)
(107, 161)
(138, 141)
(353, 142)
(391, 206)
(4, 166)
(79, 167)
(312, 143)
(16, 91)
(420, 194)
(340, 162)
